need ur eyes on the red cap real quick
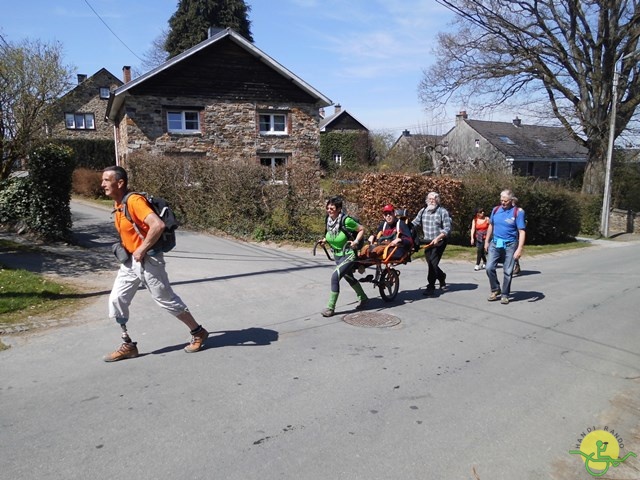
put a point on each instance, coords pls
(388, 208)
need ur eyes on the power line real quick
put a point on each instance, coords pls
(114, 33)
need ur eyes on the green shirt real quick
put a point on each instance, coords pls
(335, 237)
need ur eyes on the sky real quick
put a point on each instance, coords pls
(366, 55)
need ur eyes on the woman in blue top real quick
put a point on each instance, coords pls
(339, 228)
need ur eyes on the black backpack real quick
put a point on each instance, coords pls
(161, 208)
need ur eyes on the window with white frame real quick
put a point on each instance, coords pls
(277, 167)
(104, 92)
(337, 158)
(553, 169)
(183, 121)
(79, 121)
(273, 124)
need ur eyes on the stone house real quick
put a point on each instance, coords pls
(527, 150)
(343, 139)
(80, 113)
(416, 150)
(223, 98)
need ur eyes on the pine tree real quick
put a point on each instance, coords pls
(190, 23)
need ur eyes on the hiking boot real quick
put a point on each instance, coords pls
(197, 341)
(443, 282)
(430, 291)
(494, 296)
(125, 350)
(327, 312)
(504, 300)
(362, 304)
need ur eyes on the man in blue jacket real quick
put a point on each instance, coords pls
(504, 243)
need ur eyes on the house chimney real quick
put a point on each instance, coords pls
(211, 31)
(126, 74)
(338, 108)
(406, 133)
(517, 122)
(461, 116)
(81, 78)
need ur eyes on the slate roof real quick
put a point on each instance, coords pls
(417, 141)
(336, 118)
(529, 142)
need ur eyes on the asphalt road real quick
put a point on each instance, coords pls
(281, 392)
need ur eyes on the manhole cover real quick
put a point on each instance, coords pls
(371, 319)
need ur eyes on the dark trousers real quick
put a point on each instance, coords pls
(433, 256)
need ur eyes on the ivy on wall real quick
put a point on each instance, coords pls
(353, 147)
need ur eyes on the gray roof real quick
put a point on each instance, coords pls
(529, 142)
(333, 118)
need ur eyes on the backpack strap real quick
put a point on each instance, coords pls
(127, 215)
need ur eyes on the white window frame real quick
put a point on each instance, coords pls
(104, 93)
(272, 125)
(186, 119)
(79, 121)
(337, 158)
(273, 162)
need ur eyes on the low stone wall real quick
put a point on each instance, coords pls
(623, 221)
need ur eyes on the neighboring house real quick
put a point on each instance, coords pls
(416, 150)
(80, 113)
(528, 150)
(223, 98)
(343, 139)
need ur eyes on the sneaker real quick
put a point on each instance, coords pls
(482, 266)
(504, 300)
(197, 341)
(362, 304)
(443, 282)
(494, 296)
(125, 350)
(430, 291)
(327, 312)
(476, 268)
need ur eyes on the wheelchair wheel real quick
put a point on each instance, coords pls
(389, 284)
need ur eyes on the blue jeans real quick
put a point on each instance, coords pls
(504, 255)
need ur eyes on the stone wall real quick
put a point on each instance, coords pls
(623, 221)
(229, 130)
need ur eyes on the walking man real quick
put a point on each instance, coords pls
(141, 265)
(436, 227)
(504, 243)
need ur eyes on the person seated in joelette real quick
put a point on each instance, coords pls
(392, 239)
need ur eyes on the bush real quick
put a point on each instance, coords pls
(87, 183)
(39, 202)
(91, 154)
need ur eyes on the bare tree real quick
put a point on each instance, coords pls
(557, 54)
(156, 55)
(32, 76)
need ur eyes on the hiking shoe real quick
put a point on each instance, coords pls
(197, 341)
(494, 296)
(443, 282)
(476, 268)
(362, 304)
(327, 312)
(430, 291)
(125, 350)
(504, 300)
